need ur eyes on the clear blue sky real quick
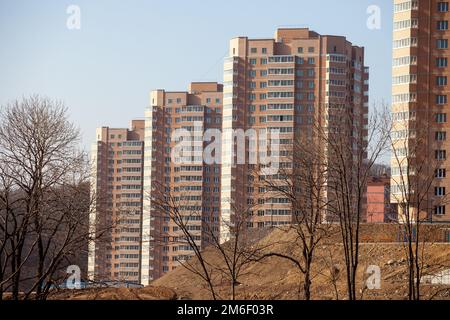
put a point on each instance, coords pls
(105, 71)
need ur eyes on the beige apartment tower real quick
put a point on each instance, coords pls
(285, 83)
(420, 106)
(190, 182)
(117, 157)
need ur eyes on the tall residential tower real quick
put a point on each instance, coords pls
(117, 157)
(420, 106)
(170, 117)
(287, 83)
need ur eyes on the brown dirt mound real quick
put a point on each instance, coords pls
(274, 278)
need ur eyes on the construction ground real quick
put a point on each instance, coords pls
(277, 278)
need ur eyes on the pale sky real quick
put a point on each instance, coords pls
(124, 49)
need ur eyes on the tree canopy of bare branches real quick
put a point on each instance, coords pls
(44, 197)
(353, 149)
(415, 175)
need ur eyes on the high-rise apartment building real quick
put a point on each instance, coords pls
(171, 118)
(117, 157)
(420, 105)
(287, 84)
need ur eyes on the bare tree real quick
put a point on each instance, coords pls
(177, 210)
(212, 259)
(242, 246)
(13, 231)
(413, 190)
(304, 185)
(44, 204)
(350, 160)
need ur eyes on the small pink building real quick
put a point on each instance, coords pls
(379, 208)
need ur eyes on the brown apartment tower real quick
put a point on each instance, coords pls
(285, 83)
(117, 157)
(192, 184)
(420, 105)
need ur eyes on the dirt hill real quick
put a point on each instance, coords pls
(275, 278)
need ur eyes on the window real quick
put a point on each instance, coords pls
(441, 62)
(280, 94)
(311, 49)
(441, 136)
(264, 50)
(442, 25)
(405, 24)
(442, 6)
(277, 71)
(262, 107)
(441, 80)
(252, 73)
(263, 84)
(406, 42)
(253, 50)
(208, 100)
(439, 191)
(281, 59)
(178, 100)
(252, 61)
(442, 43)
(311, 60)
(281, 83)
(263, 60)
(263, 73)
(439, 210)
(404, 61)
(406, 6)
(300, 50)
(441, 117)
(441, 173)
(441, 99)
(441, 154)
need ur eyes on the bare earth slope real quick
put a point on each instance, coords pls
(275, 278)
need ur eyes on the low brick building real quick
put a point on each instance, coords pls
(379, 208)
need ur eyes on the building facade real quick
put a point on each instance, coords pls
(419, 106)
(287, 83)
(116, 188)
(379, 208)
(190, 181)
